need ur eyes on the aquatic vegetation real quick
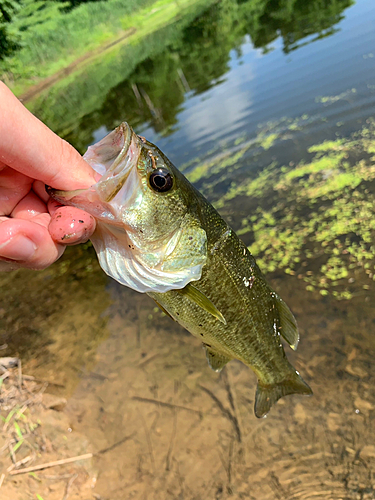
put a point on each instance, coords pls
(218, 163)
(268, 141)
(315, 214)
(225, 163)
(326, 100)
(315, 219)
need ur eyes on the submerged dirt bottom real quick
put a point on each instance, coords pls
(140, 392)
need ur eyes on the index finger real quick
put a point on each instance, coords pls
(30, 147)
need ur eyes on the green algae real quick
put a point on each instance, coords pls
(268, 141)
(314, 219)
(216, 164)
(326, 100)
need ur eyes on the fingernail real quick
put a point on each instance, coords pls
(18, 248)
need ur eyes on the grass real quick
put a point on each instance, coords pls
(59, 42)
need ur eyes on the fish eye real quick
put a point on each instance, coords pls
(161, 180)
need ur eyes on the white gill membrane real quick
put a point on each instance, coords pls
(117, 252)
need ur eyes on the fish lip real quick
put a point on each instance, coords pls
(117, 173)
(57, 194)
(113, 158)
(50, 190)
(122, 132)
(125, 131)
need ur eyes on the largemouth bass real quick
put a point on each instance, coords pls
(158, 235)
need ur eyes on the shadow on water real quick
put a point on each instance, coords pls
(297, 183)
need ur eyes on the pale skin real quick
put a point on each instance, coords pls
(34, 229)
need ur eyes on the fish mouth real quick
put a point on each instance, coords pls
(114, 159)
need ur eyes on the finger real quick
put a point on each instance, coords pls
(30, 206)
(26, 243)
(39, 188)
(31, 148)
(69, 225)
(53, 205)
(13, 187)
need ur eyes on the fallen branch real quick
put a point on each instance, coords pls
(51, 464)
(69, 485)
(232, 418)
(8, 362)
(167, 405)
(113, 446)
(19, 463)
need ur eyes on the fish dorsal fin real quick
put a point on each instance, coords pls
(288, 325)
(202, 301)
(216, 360)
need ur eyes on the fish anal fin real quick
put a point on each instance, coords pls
(287, 323)
(215, 359)
(267, 395)
(202, 301)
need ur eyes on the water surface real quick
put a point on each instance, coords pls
(267, 107)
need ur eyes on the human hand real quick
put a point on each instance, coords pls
(34, 229)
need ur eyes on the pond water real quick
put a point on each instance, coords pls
(267, 107)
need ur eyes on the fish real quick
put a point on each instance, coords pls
(157, 234)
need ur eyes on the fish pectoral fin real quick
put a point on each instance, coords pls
(163, 310)
(267, 395)
(202, 301)
(288, 325)
(216, 360)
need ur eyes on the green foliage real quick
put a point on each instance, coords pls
(317, 209)
(50, 38)
(75, 3)
(35, 12)
(8, 42)
(8, 8)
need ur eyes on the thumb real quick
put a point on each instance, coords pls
(30, 147)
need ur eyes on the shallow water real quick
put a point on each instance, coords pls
(269, 113)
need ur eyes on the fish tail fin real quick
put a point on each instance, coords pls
(267, 395)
